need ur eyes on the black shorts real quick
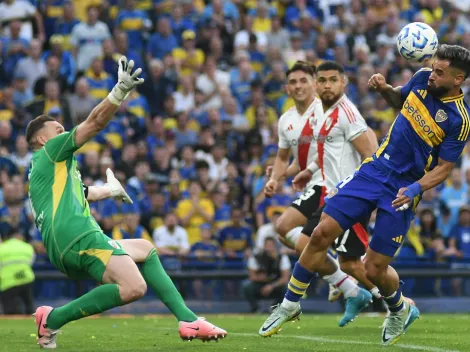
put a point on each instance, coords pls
(352, 243)
(309, 201)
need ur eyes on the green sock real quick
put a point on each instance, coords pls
(98, 300)
(156, 277)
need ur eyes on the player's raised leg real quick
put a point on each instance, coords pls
(190, 326)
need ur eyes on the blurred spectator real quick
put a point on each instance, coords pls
(22, 94)
(15, 47)
(279, 202)
(211, 82)
(223, 210)
(22, 156)
(171, 239)
(184, 135)
(236, 239)
(269, 273)
(162, 42)
(65, 24)
(87, 38)
(130, 228)
(241, 78)
(32, 67)
(7, 104)
(188, 58)
(16, 274)
(459, 243)
(267, 231)
(135, 23)
(81, 102)
(52, 74)
(68, 68)
(22, 11)
(430, 234)
(14, 214)
(51, 104)
(194, 211)
(154, 217)
(295, 52)
(184, 97)
(99, 83)
(278, 37)
(455, 195)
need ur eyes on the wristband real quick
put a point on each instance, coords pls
(117, 95)
(413, 190)
(313, 167)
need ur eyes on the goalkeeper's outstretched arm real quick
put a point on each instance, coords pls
(104, 112)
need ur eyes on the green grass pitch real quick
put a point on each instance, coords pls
(434, 333)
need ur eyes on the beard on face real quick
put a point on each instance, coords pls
(329, 99)
(438, 92)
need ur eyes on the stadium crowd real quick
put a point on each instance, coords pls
(192, 144)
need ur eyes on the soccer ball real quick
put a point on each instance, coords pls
(417, 42)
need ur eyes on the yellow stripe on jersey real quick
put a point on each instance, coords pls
(366, 160)
(60, 179)
(131, 24)
(386, 141)
(452, 99)
(465, 120)
(421, 120)
(428, 164)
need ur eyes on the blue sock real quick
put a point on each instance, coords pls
(298, 284)
(395, 301)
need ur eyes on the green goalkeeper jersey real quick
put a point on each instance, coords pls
(61, 211)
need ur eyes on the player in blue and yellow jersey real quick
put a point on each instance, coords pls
(419, 152)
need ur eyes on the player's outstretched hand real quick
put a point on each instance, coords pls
(301, 180)
(378, 82)
(117, 191)
(270, 188)
(127, 81)
(402, 201)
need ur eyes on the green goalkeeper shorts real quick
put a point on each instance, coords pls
(89, 256)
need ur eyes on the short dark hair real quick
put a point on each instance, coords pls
(303, 66)
(330, 66)
(35, 125)
(458, 56)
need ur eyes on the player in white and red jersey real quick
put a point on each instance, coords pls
(343, 141)
(297, 135)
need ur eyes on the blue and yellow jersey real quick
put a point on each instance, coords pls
(426, 128)
(222, 216)
(123, 233)
(133, 23)
(138, 105)
(236, 238)
(100, 86)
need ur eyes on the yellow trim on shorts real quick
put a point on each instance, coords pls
(102, 254)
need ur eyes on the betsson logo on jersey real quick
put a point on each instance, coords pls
(410, 111)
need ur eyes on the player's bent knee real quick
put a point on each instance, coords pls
(320, 238)
(134, 291)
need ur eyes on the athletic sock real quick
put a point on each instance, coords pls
(96, 301)
(293, 235)
(161, 284)
(375, 293)
(298, 284)
(343, 282)
(395, 301)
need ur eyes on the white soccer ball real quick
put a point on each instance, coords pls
(417, 42)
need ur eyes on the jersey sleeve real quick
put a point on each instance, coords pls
(420, 77)
(62, 146)
(452, 147)
(283, 141)
(352, 123)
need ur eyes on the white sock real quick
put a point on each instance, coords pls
(289, 305)
(343, 282)
(375, 293)
(293, 235)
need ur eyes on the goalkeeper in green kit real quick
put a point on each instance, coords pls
(74, 241)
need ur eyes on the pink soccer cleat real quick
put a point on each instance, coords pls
(46, 337)
(200, 329)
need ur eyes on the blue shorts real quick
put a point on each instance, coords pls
(356, 197)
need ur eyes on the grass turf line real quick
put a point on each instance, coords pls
(432, 333)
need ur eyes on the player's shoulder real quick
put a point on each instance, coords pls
(288, 115)
(425, 71)
(457, 111)
(420, 78)
(348, 111)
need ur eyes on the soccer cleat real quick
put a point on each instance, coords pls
(397, 324)
(200, 329)
(334, 293)
(279, 317)
(46, 337)
(354, 305)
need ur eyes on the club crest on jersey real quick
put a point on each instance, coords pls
(333, 192)
(441, 116)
